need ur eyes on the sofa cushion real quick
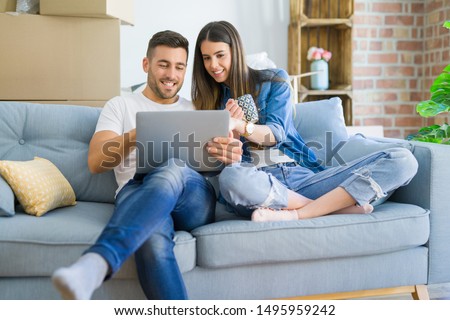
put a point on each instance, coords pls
(60, 134)
(38, 185)
(322, 126)
(37, 247)
(391, 227)
(358, 146)
(6, 199)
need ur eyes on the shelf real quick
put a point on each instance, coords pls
(337, 41)
(324, 24)
(321, 9)
(339, 89)
(331, 92)
(338, 23)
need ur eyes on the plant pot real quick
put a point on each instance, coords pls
(319, 81)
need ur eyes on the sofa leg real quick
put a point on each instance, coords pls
(420, 292)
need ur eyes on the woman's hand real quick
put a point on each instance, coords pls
(236, 126)
(225, 149)
(236, 117)
(234, 109)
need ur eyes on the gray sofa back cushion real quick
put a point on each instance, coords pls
(6, 199)
(321, 124)
(61, 134)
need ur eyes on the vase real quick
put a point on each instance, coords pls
(319, 81)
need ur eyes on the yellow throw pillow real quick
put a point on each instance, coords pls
(38, 185)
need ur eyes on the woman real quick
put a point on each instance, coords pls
(281, 187)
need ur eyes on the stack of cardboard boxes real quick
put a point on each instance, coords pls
(7, 5)
(67, 54)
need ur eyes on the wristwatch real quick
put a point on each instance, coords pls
(249, 128)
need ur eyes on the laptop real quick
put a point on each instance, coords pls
(161, 135)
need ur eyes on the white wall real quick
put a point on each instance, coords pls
(262, 25)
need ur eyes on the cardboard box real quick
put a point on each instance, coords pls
(8, 5)
(120, 9)
(59, 58)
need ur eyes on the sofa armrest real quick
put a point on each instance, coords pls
(430, 189)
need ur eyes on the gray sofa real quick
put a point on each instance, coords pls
(402, 246)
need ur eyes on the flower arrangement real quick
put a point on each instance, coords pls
(315, 53)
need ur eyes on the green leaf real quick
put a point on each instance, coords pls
(429, 108)
(442, 99)
(429, 128)
(447, 24)
(440, 96)
(441, 82)
(434, 133)
(440, 88)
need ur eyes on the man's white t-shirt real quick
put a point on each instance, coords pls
(119, 116)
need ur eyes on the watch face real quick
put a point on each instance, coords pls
(250, 127)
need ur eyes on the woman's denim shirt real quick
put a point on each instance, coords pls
(275, 110)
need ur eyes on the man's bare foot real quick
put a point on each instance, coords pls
(267, 214)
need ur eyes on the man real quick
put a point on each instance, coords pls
(148, 208)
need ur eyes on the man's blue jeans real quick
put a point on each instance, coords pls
(148, 211)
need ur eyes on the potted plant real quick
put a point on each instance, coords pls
(438, 103)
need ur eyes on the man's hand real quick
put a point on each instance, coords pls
(107, 149)
(228, 150)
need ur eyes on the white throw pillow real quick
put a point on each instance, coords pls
(260, 61)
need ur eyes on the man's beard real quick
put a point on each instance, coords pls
(158, 92)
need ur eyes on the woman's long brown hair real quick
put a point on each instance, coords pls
(206, 92)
